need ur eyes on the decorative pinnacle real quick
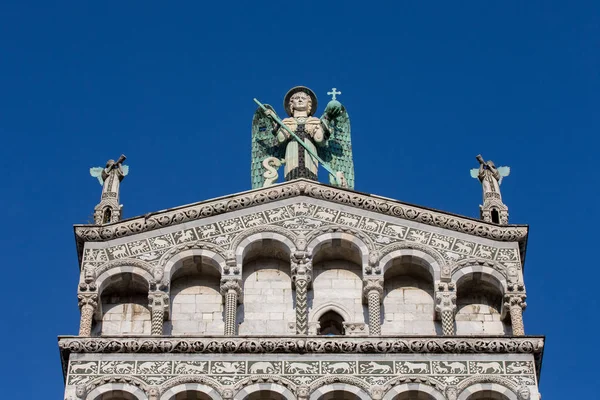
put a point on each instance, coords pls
(333, 93)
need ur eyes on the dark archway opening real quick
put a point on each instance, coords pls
(331, 323)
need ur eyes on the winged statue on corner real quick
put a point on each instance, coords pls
(301, 141)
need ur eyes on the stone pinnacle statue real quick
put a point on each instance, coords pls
(110, 177)
(302, 141)
(493, 209)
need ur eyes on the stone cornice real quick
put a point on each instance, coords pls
(304, 345)
(300, 187)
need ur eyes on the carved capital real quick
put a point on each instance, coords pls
(515, 300)
(301, 264)
(372, 285)
(90, 299)
(232, 285)
(445, 301)
(158, 300)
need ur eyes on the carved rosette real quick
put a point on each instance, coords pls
(515, 302)
(87, 304)
(301, 264)
(231, 290)
(373, 293)
(159, 305)
(445, 306)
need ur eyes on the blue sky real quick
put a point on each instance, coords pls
(428, 86)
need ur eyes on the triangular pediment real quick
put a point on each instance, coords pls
(301, 207)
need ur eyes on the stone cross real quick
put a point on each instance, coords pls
(333, 93)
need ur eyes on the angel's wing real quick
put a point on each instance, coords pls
(503, 171)
(125, 169)
(475, 173)
(96, 172)
(264, 144)
(338, 149)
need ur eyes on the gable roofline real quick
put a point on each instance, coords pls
(300, 187)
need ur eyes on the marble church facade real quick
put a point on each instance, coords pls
(301, 291)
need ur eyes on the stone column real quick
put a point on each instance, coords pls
(231, 289)
(301, 264)
(87, 304)
(159, 303)
(516, 304)
(445, 306)
(373, 293)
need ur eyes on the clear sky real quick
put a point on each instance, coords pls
(428, 85)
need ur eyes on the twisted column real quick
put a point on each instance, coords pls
(87, 304)
(232, 292)
(445, 306)
(373, 293)
(516, 304)
(301, 264)
(159, 303)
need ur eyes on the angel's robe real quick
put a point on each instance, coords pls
(112, 178)
(298, 162)
(489, 179)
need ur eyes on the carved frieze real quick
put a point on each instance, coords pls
(304, 216)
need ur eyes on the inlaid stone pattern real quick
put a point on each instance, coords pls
(303, 372)
(302, 217)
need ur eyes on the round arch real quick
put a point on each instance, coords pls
(245, 392)
(420, 254)
(339, 387)
(192, 387)
(320, 238)
(170, 262)
(504, 392)
(134, 391)
(413, 387)
(104, 279)
(488, 274)
(241, 243)
(125, 265)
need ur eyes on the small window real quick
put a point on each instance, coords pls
(495, 216)
(331, 323)
(107, 216)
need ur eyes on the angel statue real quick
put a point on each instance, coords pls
(490, 178)
(110, 177)
(302, 141)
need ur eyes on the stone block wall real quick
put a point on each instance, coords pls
(122, 315)
(337, 283)
(196, 307)
(268, 300)
(478, 314)
(408, 307)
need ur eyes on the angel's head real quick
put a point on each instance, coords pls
(300, 98)
(300, 101)
(110, 163)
